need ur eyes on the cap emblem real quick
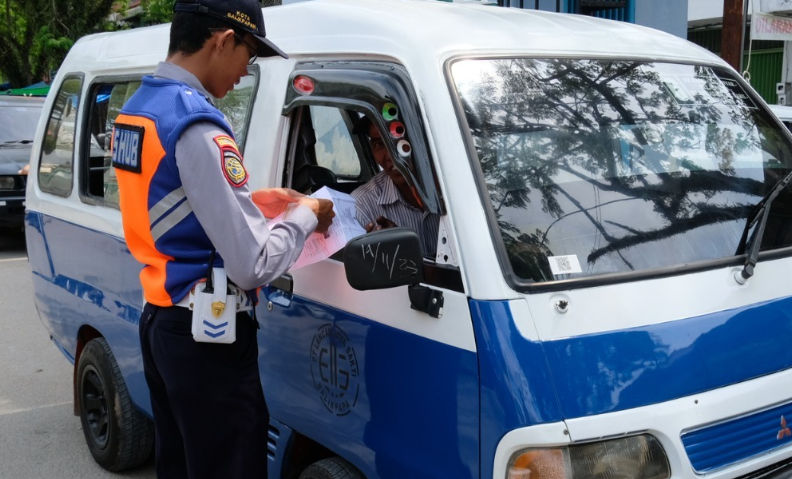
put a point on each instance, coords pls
(243, 19)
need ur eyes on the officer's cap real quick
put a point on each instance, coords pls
(244, 15)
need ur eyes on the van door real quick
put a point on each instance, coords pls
(391, 388)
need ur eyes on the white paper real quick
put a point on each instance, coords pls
(343, 228)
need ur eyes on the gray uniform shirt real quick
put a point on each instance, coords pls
(253, 255)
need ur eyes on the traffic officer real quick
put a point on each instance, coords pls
(189, 218)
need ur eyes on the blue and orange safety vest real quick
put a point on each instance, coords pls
(161, 230)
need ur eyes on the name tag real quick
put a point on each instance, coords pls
(127, 147)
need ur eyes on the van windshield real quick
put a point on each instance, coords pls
(599, 166)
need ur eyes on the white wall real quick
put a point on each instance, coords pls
(702, 10)
(666, 15)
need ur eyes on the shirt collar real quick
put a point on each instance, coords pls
(389, 194)
(175, 72)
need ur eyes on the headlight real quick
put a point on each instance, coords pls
(636, 457)
(7, 183)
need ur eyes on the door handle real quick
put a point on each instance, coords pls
(284, 283)
(279, 291)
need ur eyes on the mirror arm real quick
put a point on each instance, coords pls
(425, 299)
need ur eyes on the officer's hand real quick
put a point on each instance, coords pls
(381, 223)
(323, 209)
(273, 201)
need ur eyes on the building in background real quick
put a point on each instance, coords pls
(766, 48)
(667, 15)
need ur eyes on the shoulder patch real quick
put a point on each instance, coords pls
(127, 147)
(231, 161)
(225, 141)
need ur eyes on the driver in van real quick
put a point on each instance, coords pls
(187, 211)
(387, 200)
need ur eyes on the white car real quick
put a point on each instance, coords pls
(784, 113)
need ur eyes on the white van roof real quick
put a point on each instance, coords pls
(408, 30)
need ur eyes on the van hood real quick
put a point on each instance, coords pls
(550, 381)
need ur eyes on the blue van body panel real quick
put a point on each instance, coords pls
(525, 382)
(106, 296)
(357, 386)
(279, 440)
(620, 370)
(516, 387)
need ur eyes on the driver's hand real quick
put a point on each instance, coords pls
(380, 223)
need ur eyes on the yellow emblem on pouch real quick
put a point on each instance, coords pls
(217, 308)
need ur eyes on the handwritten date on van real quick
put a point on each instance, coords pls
(384, 259)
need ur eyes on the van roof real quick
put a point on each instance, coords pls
(403, 29)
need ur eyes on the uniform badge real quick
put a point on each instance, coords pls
(234, 170)
(231, 161)
(127, 147)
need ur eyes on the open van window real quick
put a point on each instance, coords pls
(98, 179)
(325, 150)
(595, 166)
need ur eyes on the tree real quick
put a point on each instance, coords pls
(157, 11)
(161, 11)
(37, 34)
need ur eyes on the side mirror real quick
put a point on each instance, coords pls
(384, 259)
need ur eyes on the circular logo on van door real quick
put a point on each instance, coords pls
(334, 369)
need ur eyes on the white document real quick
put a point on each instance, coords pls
(344, 227)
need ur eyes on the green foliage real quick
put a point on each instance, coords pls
(37, 34)
(157, 11)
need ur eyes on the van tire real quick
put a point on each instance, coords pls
(331, 468)
(118, 435)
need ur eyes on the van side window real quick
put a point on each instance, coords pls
(98, 179)
(325, 150)
(236, 105)
(334, 147)
(57, 151)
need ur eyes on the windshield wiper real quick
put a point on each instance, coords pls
(761, 215)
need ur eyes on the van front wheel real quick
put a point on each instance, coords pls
(331, 468)
(118, 435)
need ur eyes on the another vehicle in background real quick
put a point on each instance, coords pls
(18, 119)
(784, 113)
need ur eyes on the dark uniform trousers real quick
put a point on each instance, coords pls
(211, 418)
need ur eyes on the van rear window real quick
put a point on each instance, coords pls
(594, 167)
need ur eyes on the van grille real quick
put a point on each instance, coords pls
(725, 443)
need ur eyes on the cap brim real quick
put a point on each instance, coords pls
(267, 48)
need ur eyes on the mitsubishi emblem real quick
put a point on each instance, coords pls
(784, 432)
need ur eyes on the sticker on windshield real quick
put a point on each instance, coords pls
(564, 264)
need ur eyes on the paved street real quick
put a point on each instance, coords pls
(39, 435)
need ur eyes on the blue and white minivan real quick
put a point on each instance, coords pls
(611, 293)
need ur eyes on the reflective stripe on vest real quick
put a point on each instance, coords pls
(168, 212)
